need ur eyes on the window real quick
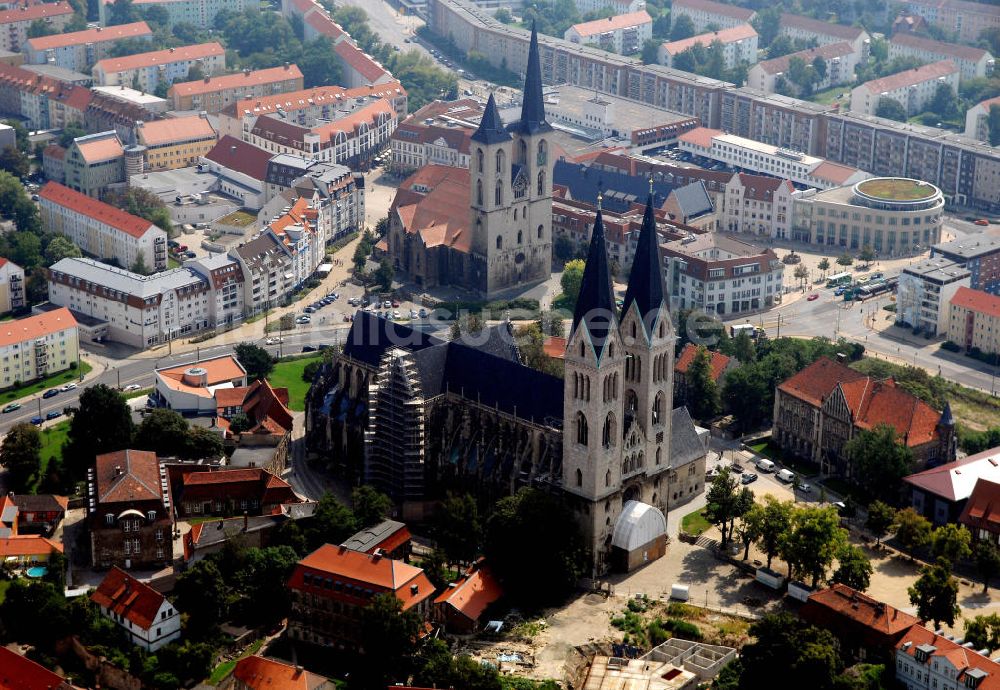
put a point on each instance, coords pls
(151, 515)
(581, 429)
(579, 478)
(608, 437)
(658, 408)
(541, 183)
(520, 237)
(479, 192)
(541, 231)
(499, 161)
(499, 242)
(109, 519)
(498, 194)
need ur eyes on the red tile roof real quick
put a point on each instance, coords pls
(57, 194)
(739, 32)
(827, 51)
(873, 403)
(235, 81)
(962, 659)
(862, 609)
(983, 507)
(22, 545)
(614, 23)
(908, 77)
(128, 475)
(240, 156)
(407, 582)
(719, 8)
(268, 407)
(361, 63)
(717, 361)
(554, 346)
(128, 597)
(324, 25)
(977, 301)
(257, 673)
(96, 35)
(100, 148)
(473, 592)
(815, 383)
(700, 136)
(37, 326)
(762, 187)
(39, 11)
(316, 96)
(253, 474)
(833, 172)
(54, 151)
(175, 130)
(20, 673)
(160, 57)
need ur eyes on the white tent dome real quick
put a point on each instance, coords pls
(638, 525)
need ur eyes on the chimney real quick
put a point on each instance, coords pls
(298, 671)
(118, 470)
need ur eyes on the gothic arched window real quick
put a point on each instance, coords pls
(522, 152)
(479, 159)
(581, 429)
(579, 478)
(658, 406)
(541, 183)
(498, 196)
(541, 231)
(479, 192)
(608, 437)
(499, 242)
(520, 235)
(542, 152)
(499, 161)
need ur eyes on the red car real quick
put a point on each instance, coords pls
(982, 221)
(812, 297)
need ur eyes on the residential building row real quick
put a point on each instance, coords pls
(144, 71)
(200, 13)
(966, 170)
(914, 89)
(80, 50)
(708, 13)
(972, 62)
(624, 34)
(15, 22)
(41, 101)
(840, 58)
(739, 46)
(977, 119)
(974, 321)
(967, 19)
(213, 94)
(980, 254)
(802, 28)
(37, 346)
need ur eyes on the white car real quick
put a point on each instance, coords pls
(274, 341)
(303, 319)
(68, 387)
(131, 387)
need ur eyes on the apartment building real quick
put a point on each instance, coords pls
(967, 19)
(893, 216)
(977, 119)
(11, 286)
(913, 88)
(617, 6)
(332, 586)
(226, 294)
(79, 50)
(146, 617)
(335, 193)
(94, 164)
(926, 660)
(721, 275)
(145, 71)
(971, 62)
(925, 292)
(268, 273)
(176, 142)
(706, 13)
(974, 320)
(624, 34)
(438, 134)
(239, 170)
(796, 26)
(978, 253)
(201, 13)
(758, 205)
(41, 101)
(840, 59)
(753, 156)
(137, 310)
(14, 23)
(739, 46)
(213, 94)
(315, 20)
(37, 346)
(102, 230)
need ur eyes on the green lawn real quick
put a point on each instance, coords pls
(4, 584)
(289, 375)
(53, 381)
(695, 523)
(220, 672)
(53, 439)
(172, 263)
(830, 96)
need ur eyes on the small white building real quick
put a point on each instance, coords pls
(971, 62)
(145, 615)
(706, 13)
(739, 46)
(840, 59)
(190, 388)
(11, 286)
(913, 89)
(623, 33)
(924, 294)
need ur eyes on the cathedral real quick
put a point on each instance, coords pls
(502, 241)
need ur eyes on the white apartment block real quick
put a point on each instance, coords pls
(913, 89)
(102, 230)
(619, 6)
(225, 281)
(756, 157)
(136, 310)
(37, 346)
(840, 59)
(923, 296)
(925, 660)
(14, 23)
(977, 119)
(335, 193)
(11, 286)
(623, 33)
(758, 205)
(268, 273)
(79, 50)
(201, 13)
(707, 13)
(144, 71)
(971, 62)
(797, 26)
(739, 46)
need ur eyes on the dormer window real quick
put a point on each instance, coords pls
(973, 677)
(151, 515)
(109, 518)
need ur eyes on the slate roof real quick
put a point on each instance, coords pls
(595, 306)
(693, 200)
(685, 445)
(370, 336)
(645, 282)
(532, 103)
(620, 191)
(491, 129)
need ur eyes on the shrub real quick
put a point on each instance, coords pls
(950, 346)
(656, 633)
(683, 629)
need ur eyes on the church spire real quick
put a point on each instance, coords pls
(491, 129)
(595, 306)
(533, 104)
(645, 282)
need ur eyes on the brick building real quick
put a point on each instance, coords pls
(232, 491)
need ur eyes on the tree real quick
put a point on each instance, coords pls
(650, 54)
(944, 104)
(853, 568)
(255, 359)
(571, 281)
(913, 530)
(162, 431)
(513, 538)
(824, 265)
(775, 521)
(703, 393)
(332, 523)
(371, 506)
(983, 632)
(139, 265)
(994, 125)
(101, 424)
(502, 15)
(61, 247)
(806, 655)
(682, 28)
(20, 134)
(143, 203)
(14, 162)
(202, 593)
(435, 567)
(20, 453)
(867, 254)
(122, 12)
(318, 63)
(457, 528)
(935, 594)
(384, 275)
(813, 542)
(202, 443)
(845, 259)
(820, 67)
(951, 542)
(881, 516)
(39, 28)
(801, 272)
(240, 423)
(26, 249)
(390, 634)
(743, 348)
(878, 456)
(891, 109)
(726, 502)
(262, 578)
(767, 23)
(987, 557)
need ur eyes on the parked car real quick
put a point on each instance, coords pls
(50, 393)
(12, 407)
(308, 348)
(736, 467)
(309, 309)
(423, 313)
(190, 255)
(387, 304)
(748, 478)
(805, 488)
(68, 387)
(54, 414)
(813, 297)
(37, 421)
(131, 387)
(303, 319)
(981, 221)
(274, 341)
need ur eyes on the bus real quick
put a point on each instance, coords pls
(873, 289)
(838, 279)
(755, 332)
